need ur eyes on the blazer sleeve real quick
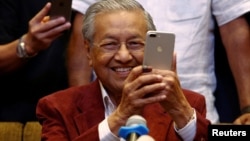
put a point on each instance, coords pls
(197, 101)
(58, 127)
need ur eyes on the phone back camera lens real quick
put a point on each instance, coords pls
(152, 35)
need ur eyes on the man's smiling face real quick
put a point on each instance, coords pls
(118, 46)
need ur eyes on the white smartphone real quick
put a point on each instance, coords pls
(60, 8)
(159, 49)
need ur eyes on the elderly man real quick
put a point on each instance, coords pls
(114, 33)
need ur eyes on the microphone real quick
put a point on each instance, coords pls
(135, 127)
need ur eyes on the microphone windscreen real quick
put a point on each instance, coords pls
(135, 120)
(135, 127)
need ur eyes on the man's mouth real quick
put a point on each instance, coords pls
(122, 70)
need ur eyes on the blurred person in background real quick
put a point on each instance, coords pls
(194, 23)
(38, 57)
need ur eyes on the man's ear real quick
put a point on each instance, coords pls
(88, 46)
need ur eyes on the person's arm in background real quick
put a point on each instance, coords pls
(79, 71)
(39, 37)
(236, 39)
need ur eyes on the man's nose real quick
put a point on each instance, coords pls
(123, 54)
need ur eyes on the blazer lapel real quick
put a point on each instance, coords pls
(90, 113)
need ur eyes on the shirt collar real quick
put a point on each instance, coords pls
(108, 104)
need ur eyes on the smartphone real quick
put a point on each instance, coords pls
(159, 49)
(60, 8)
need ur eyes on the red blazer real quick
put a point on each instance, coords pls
(74, 114)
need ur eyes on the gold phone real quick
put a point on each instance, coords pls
(60, 8)
(159, 49)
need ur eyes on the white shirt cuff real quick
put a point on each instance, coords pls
(188, 132)
(104, 132)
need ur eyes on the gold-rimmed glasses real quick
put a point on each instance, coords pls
(113, 46)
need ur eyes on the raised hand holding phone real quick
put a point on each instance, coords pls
(60, 8)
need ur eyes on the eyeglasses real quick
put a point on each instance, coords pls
(114, 46)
